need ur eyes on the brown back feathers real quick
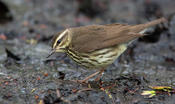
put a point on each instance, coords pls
(94, 37)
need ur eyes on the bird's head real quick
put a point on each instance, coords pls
(61, 41)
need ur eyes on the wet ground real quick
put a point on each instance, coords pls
(26, 76)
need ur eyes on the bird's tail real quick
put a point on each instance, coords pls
(155, 22)
(141, 27)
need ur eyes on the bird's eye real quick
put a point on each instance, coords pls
(59, 41)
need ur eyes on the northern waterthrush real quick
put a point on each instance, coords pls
(97, 46)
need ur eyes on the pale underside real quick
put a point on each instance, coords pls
(98, 59)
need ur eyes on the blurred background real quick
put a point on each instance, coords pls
(27, 27)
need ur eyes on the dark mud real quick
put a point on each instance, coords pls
(27, 77)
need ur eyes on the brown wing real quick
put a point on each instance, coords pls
(90, 38)
(95, 37)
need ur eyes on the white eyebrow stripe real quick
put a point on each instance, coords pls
(60, 36)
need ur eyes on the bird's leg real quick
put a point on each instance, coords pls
(92, 75)
(100, 74)
(87, 78)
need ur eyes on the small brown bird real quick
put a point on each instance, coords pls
(97, 46)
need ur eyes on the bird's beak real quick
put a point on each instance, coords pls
(51, 53)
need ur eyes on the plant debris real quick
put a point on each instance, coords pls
(159, 90)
